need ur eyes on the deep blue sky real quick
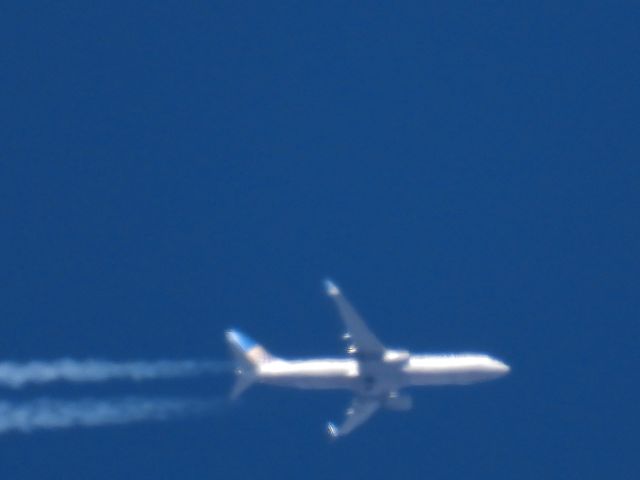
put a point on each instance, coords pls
(468, 173)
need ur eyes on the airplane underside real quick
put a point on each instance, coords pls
(376, 375)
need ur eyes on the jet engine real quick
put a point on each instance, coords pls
(396, 356)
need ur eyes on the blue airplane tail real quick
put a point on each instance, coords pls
(248, 355)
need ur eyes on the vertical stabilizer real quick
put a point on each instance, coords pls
(248, 355)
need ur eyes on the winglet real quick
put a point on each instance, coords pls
(332, 430)
(331, 288)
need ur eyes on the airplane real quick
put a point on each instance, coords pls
(375, 374)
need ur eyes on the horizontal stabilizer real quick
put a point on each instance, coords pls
(243, 381)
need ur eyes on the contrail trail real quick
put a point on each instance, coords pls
(17, 375)
(48, 413)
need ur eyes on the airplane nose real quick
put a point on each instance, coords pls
(497, 368)
(502, 367)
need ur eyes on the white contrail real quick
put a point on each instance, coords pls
(48, 413)
(16, 375)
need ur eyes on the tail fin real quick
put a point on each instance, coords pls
(248, 356)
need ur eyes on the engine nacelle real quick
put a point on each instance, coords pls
(396, 356)
(399, 402)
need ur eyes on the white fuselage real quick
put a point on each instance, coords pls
(395, 371)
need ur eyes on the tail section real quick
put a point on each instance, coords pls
(248, 356)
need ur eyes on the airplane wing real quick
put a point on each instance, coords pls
(359, 412)
(363, 342)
